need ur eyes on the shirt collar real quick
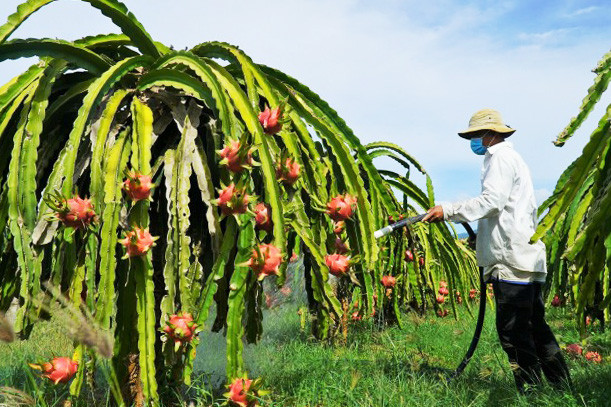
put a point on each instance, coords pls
(498, 146)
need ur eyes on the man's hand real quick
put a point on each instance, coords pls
(435, 214)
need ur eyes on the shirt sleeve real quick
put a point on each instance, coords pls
(496, 187)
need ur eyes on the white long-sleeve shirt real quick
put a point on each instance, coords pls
(506, 211)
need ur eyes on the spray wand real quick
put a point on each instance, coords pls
(482, 288)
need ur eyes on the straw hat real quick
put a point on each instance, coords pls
(486, 119)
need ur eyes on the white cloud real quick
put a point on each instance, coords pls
(402, 71)
(582, 11)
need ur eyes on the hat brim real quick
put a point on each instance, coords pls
(504, 130)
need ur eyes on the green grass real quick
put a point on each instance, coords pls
(394, 367)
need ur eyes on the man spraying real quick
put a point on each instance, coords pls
(506, 211)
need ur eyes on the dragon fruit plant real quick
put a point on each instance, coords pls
(106, 115)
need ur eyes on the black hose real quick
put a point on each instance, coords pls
(480, 316)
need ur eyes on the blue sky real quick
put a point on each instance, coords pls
(410, 72)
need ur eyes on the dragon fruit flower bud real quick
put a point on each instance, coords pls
(338, 227)
(263, 220)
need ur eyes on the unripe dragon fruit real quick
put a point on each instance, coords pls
(341, 207)
(338, 227)
(340, 246)
(271, 120)
(338, 264)
(389, 281)
(137, 242)
(574, 349)
(408, 256)
(263, 219)
(556, 302)
(265, 260)
(440, 299)
(75, 212)
(137, 186)
(443, 291)
(594, 357)
(180, 328)
(235, 156)
(288, 171)
(232, 200)
(58, 370)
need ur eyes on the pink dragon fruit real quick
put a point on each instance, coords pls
(271, 120)
(443, 291)
(389, 281)
(338, 264)
(574, 349)
(236, 157)
(288, 171)
(137, 186)
(76, 212)
(594, 357)
(244, 392)
(58, 370)
(138, 241)
(265, 260)
(341, 207)
(180, 328)
(232, 200)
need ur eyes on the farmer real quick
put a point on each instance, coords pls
(506, 211)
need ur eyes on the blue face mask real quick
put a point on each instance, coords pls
(477, 146)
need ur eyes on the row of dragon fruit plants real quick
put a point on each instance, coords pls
(142, 185)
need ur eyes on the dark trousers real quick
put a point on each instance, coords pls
(526, 337)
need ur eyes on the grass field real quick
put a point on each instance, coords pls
(394, 367)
